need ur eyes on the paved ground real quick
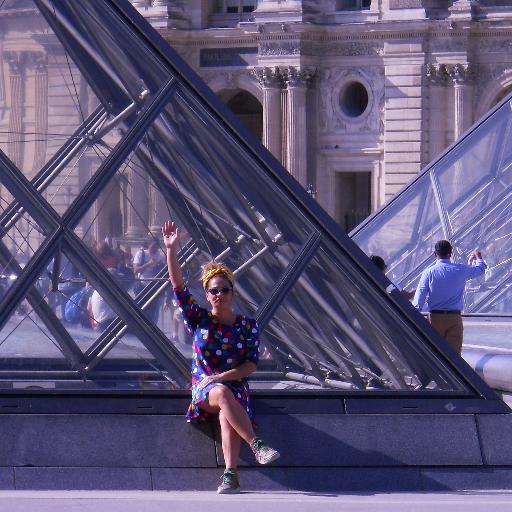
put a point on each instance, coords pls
(83, 501)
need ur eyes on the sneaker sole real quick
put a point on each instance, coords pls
(272, 458)
(228, 491)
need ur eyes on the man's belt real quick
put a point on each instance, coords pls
(445, 311)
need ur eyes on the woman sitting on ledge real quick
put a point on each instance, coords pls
(225, 353)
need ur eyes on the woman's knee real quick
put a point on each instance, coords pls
(222, 396)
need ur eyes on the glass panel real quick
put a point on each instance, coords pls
(30, 356)
(129, 365)
(332, 331)
(43, 94)
(476, 173)
(115, 61)
(21, 238)
(492, 234)
(49, 89)
(52, 330)
(188, 173)
(406, 233)
(475, 183)
(500, 302)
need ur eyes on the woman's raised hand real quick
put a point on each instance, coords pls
(170, 233)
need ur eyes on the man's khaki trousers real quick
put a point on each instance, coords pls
(450, 327)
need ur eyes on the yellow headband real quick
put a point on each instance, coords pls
(215, 272)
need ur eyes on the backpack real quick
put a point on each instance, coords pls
(76, 304)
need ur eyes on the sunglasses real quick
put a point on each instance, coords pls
(221, 291)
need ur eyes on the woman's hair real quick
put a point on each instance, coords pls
(215, 268)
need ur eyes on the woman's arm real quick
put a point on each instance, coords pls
(238, 373)
(170, 233)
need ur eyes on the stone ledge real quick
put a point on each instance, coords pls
(368, 440)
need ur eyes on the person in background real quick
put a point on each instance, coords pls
(441, 289)
(381, 265)
(106, 255)
(146, 265)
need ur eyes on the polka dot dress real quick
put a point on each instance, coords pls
(217, 348)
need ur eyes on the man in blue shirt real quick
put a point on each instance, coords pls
(441, 287)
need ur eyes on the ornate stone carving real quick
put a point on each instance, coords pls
(461, 73)
(294, 77)
(269, 77)
(437, 74)
(351, 48)
(38, 61)
(280, 48)
(15, 61)
(331, 117)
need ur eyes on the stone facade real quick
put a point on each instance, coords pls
(356, 96)
(379, 88)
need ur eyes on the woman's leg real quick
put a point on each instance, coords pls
(230, 442)
(221, 399)
(235, 424)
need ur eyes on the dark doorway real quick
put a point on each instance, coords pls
(249, 110)
(353, 198)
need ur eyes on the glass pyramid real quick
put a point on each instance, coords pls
(155, 143)
(463, 196)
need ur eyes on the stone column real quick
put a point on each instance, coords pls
(15, 137)
(461, 75)
(437, 77)
(39, 62)
(271, 81)
(137, 207)
(297, 82)
(157, 209)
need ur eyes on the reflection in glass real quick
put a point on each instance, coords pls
(328, 333)
(45, 96)
(99, 313)
(464, 197)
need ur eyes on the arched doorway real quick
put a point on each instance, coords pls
(248, 109)
(501, 95)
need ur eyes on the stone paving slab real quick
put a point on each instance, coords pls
(22, 501)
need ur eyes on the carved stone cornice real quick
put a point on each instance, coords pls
(276, 48)
(328, 47)
(461, 73)
(271, 78)
(15, 60)
(38, 61)
(351, 48)
(437, 74)
(294, 77)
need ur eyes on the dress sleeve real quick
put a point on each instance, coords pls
(190, 309)
(253, 342)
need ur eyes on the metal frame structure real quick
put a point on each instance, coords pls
(330, 320)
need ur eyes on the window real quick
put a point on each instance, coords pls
(234, 6)
(346, 5)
